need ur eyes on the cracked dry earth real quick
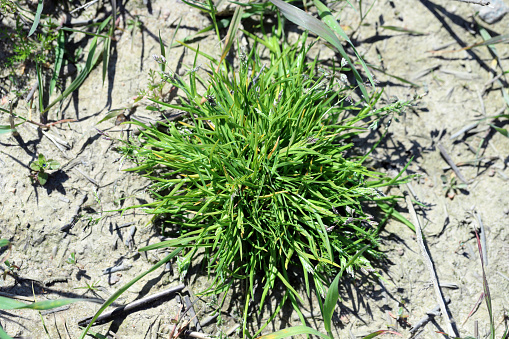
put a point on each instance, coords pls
(456, 88)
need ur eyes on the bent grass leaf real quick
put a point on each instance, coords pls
(292, 331)
(91, 61)
(11, 304)
(6, 129)
(316, 26)
(40, 6)
(124, 288)
(112, 114)
(333, 294)
(380, 332)
(59, 57)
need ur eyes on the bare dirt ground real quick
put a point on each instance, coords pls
(91, 182)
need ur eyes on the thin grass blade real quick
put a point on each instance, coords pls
(314, 25)
(4, 335)
(38, 12)
(487, 295)
(59, 57)
(126, 286)
(292, 331)
(232, 32)
(380, 332)
(91, 61)
(333, 294)
(41, 87)
(11, 304)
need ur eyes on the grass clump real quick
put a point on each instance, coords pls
(258, 176)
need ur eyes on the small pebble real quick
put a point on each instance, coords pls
(506, 210)
(115, 278)
(494, 12)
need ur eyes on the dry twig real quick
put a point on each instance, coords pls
(429, 264)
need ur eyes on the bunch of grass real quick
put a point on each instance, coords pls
(258, 178)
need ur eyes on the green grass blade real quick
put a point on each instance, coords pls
(11, 304)
(91, 61)
(380, 332)
(293, 331)
(4, 335)
(41, 87)
(330, 21)
(59, 57)
(333, 294)
(124, 288)
(500, 130)
(391, 212)
(487, 295)
(163, 50)
(40, 6)
(316, 26)
(230, 36)
(6, 129)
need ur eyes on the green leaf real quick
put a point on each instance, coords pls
(112, 114)
(395, 214)
(11, 304)
(91, 61)
(41, 87)
(124, 288)
(59, 57)
(35, 166)
(4, 335)
(40, 6)
(377, 333)
(41, 159)
(53, 164)
(4, 242)
(42, 177)
(163, 50)
(292, 331)
(502, 131)
(333, 294)
(6, 129)
(316, 26)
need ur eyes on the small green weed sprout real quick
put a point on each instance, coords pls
(40, 167)
(258, 176)
(72, 259)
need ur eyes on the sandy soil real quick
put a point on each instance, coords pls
(454, 91)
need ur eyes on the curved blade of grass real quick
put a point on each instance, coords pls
(91, 61)
(330, 21)
(84, 32)
(41, 87)
(4, 335)
(11, 304)
(59, 57)
(126, 286)
(6, 129)
(316, 26)
(295, 330)
(500, 130)
(112, 114)
(391, 212)
(487, 295)
(163, 50)
(232, 32)
(40, 6)
(377, 333)
(333, 294)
